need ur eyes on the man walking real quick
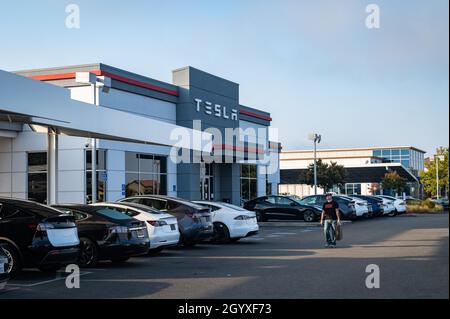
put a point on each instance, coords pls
(329, 219)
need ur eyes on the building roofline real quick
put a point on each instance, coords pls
(357, 149)
(331, 158)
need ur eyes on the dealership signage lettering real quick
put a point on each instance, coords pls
(216, 110)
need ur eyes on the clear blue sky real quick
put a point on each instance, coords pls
(312, 64)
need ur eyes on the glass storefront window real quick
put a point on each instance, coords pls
(249, 185)
(145, 174)
(37, 177)
(386, 153)
(100, 187)
(405, 163)
(100, 175)
(353, 189)
(131, 184)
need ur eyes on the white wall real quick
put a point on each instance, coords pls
(129, 102)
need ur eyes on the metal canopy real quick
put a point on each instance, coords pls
(23, 100)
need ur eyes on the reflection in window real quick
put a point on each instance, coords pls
(249, 182)
(100, 175)
(146, 174)
(37, 177)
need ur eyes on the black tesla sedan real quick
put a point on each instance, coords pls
(282, 207)
(107, 234)
(35, 235)
(194, 221)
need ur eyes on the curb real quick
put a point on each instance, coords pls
(295, 224)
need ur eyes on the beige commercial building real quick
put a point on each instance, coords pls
(365, 168)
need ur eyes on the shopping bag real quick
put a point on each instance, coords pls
(339, 234)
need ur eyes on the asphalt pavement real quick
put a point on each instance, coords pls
(411, 254)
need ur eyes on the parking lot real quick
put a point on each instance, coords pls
(280, 262)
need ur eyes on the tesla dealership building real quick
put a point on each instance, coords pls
(135, 124)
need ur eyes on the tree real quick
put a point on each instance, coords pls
(428, 176)
(394, 182)
(328, 175)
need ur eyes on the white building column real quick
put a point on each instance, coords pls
(52, 167)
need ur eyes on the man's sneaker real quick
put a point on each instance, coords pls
(327, 245)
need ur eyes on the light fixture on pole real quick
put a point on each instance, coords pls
(96, 82)
(437, 158)
(316, 138)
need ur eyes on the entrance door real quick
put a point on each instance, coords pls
(207, 182)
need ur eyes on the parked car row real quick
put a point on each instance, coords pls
(309, 208)
(33, 235)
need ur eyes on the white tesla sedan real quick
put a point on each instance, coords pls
(399, 204)
(231, 222)
(361, 206)
(162, 227)
(388, 204)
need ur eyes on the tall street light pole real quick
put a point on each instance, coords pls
(316, 138)
(437, 158)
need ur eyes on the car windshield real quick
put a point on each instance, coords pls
(141, 207)
(112, 213)
(41, 210)
(235, 207)
(297, 200)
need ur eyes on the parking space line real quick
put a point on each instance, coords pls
(42, 282)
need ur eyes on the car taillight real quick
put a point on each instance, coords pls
(32, 227)
(157, 223)
(44, 227)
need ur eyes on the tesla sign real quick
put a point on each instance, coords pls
(216, 110)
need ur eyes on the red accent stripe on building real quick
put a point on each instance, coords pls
(259, 116)
(140, 84)
(50, 77)
(65, 76)
(238, 148)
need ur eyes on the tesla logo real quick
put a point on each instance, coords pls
(216, 110)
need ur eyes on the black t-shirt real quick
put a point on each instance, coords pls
(330, 210)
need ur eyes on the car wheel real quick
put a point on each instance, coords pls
(14, 262)
(260, 216)
(88, 253)
(221, 233)
(309, 216)
(119, 260)
(393, 213)
(185, 243)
